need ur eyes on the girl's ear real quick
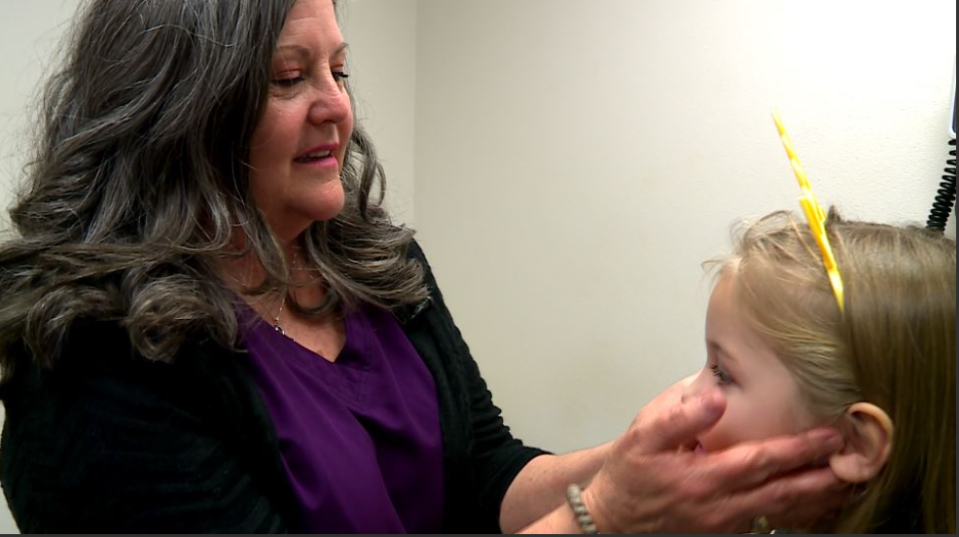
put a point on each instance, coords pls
(868, 431)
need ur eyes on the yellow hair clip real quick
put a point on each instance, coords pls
(815, 214)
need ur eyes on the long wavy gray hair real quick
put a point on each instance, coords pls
(138, 187)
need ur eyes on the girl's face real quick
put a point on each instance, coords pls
(298, 147)
(763, 400)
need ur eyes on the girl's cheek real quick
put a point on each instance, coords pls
(733, 428)
(716, 439)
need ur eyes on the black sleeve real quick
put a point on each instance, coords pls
(482, 454)
(120, 445)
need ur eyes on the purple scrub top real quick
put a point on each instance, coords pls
(359, 437)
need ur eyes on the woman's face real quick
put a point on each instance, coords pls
(762, 397)
(299, 145)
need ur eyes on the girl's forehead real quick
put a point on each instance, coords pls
(728, 329)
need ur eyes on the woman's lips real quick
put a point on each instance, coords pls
(320, 150)
(321, 156)
(328, 161)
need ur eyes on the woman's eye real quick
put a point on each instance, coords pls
(288, 82)
(721, 376)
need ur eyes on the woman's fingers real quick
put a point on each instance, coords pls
(796, 501)
(752, 464)
(678, 425)
(649, 484)
(778, 479)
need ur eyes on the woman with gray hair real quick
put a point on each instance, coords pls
(208, 322)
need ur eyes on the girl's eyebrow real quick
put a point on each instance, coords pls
(720, 350)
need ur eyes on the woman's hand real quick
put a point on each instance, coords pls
(650, 484)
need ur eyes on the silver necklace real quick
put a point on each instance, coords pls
(276, 318)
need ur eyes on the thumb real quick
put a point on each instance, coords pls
(680, 425)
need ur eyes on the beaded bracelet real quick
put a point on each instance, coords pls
(574, 496)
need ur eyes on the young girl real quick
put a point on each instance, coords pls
(882, 372)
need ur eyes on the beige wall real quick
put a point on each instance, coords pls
(29, 32)
(577, 161)
(382, 37)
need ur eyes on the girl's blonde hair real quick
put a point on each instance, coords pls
(895, 348)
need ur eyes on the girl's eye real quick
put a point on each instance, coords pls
(722, 377)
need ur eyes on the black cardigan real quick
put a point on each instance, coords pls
(108, 442)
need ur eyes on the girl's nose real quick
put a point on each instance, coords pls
(693, 389)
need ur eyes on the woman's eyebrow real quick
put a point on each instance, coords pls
(305, 52)
(298, 50)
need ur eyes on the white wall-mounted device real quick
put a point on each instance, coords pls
(952, 129)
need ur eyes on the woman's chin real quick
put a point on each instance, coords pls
(295, 220)
(327, 206)
(328, 212)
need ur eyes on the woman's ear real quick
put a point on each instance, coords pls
(868, 431)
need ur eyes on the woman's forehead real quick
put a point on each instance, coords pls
(311, 24)
(311, 11)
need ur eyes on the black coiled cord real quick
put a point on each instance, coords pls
(946, 200)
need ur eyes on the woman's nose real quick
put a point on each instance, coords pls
(331, 104)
